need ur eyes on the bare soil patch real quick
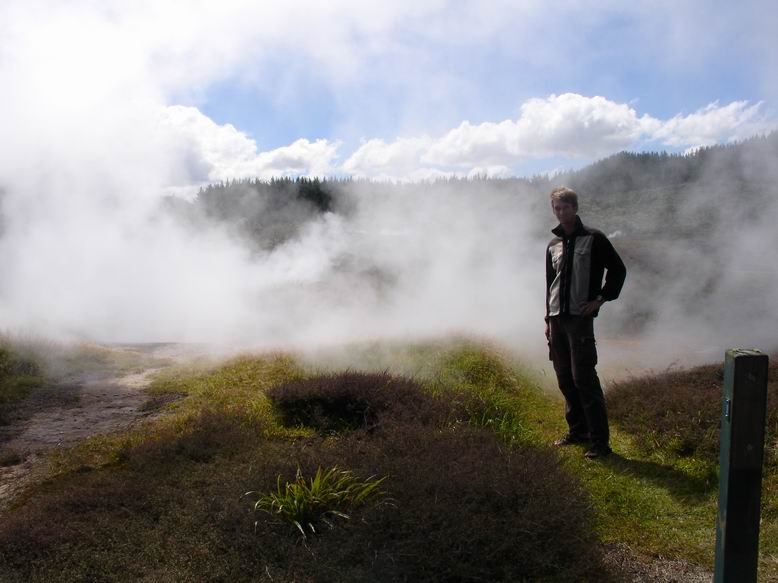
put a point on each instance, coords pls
(95, 402)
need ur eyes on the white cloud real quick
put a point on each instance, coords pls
(568, 125)
(119, 60)
(377, 158)
(221, 152)
(301, 157)
(714, 124)
(575, 125)
(490, 172)
(183, 45)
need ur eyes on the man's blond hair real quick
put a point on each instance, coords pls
(564, 194)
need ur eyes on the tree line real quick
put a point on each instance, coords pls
(272, 211)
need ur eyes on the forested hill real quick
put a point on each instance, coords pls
(638, 192)
(744, 163)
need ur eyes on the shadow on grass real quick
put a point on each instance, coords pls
(678, 484)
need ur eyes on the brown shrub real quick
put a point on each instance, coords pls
(681, 411)
(89, 513)
(355, 400)
(466, 508)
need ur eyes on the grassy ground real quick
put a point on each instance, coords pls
(659, 492)
(20, 372)
(164, 502)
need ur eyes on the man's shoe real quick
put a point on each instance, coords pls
(598, 450)
(571, 439)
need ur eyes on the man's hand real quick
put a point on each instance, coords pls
(588, 308)
(548, 332)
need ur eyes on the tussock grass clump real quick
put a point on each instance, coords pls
(679, 412)
(351, 400)
(327, 495)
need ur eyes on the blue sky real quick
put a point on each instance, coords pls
(612, 58)
(401, 90)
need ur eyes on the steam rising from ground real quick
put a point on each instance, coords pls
(405, 266)
(401, 264)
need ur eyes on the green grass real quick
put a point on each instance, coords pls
(657, 505)
(20, 372)
(657, 494)
(659, 499)
(64, 360)
(235, 389)
(240, 383)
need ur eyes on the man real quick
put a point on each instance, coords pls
(576, 260)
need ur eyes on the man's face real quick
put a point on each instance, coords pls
(564, 212)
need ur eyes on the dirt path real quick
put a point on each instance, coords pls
(79, 407)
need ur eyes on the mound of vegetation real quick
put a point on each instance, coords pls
(356, 400)
(456, 502)
(680, 412)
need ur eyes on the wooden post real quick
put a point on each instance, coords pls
(740, 466)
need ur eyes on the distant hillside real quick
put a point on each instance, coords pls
(636, 193)
(658, 192)
(738, 163)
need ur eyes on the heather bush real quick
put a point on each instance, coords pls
(351, 400)
(467, 508)
(680, 411)
(12, 363)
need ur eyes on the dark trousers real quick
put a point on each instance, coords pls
(574, 353)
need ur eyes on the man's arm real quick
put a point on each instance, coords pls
(615, 274)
